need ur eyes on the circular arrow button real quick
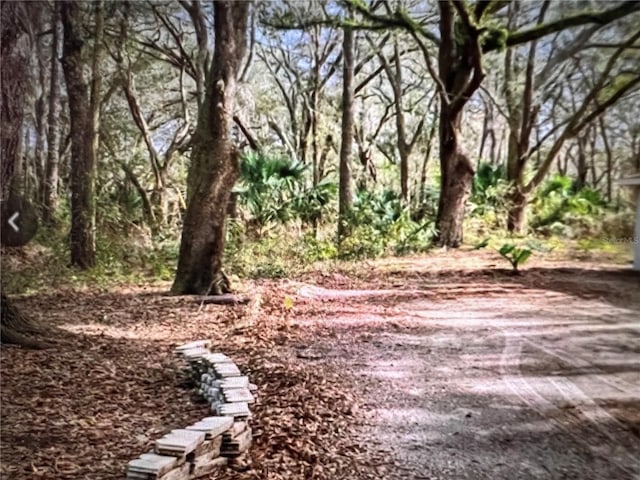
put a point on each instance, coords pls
(19, 222)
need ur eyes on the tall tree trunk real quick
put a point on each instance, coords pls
(456, 173)
(427, 155)
(40, 110)
(83, 110)
(15, 48)
(460, 75)
(403, 143)
(517, 215)
(50, 195)
(607, 149)
(522, 114)
(404, 148)
(516, 162)
(488, 133)
(315, 93)
(346, 189)
(214, 160)
(582, 168)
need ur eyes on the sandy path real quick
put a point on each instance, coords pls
(495, 384)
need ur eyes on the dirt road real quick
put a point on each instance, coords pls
(487, 380)
(435, 367)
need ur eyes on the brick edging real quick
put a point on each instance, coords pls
(201, 448)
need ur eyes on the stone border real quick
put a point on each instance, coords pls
(201, 448)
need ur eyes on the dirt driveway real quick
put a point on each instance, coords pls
(438, 367)
(479, 375)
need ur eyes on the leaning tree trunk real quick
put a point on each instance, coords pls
(214, 161)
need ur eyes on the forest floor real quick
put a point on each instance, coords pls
(444, 366)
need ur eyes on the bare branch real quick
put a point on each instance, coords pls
(599, 18)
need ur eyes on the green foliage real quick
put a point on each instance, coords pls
(277, 254)
(319, 250)
(268, 185)
(481, 244)
(313, 203)
(489, 194)
(515, 255)
(130, 255)
(272, 191)
(494, 38)
(427, 202)
(558, 209)
(381, 226)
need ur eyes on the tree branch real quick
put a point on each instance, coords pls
(600, 18)
(251, 138)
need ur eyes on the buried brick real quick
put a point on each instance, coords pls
(204, 465)
(236, 445)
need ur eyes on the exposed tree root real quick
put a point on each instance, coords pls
(223, 299)
(17, 328)
(10, 336)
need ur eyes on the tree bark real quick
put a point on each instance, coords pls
(607, 149)
(15, 75)
(40, 113)
(522, 114)
(315, 94)
(517, 215)
(346, 189)
(214, 161)
(456, 173)
(404, 144)
(15, 48)
(427, 155)
(460, 75)
(17, 329)
(50, 195)
(83, 111)
(582, 168)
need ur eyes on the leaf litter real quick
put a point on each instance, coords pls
(111, 386)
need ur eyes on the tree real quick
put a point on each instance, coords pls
(50, 196)
(17, 39)
(214, 160)
(302, 75)
(404, 145)
(84, 111)
(466, 34)
(156, 205)
(610, 79)
(346, 189)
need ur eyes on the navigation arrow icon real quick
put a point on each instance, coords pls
(19, 221)
(12, 221)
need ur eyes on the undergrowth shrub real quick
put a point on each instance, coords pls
(489, 196)
(382, 226)
(557, 209)
(272, 191)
